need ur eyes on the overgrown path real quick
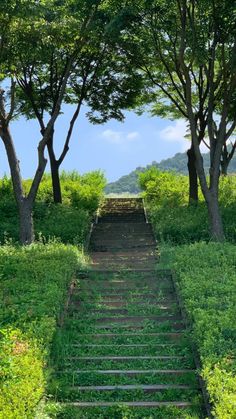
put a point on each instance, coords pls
(124, 350)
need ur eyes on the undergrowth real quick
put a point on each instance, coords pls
(205, 276)
(68, 222)
(33, 288)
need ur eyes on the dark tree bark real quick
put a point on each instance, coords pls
(193, 178)
(26, 222)
(25, 204)
(226, 157)
(215, 219)
(54, 166)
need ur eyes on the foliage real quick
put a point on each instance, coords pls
(207, 284)
(69, 221)
(173, 219)
(22, 380)
(33, 287)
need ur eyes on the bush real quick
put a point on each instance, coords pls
(68, 222)
(33, 287)
(22, 379)
(173, 220)
(206, 279)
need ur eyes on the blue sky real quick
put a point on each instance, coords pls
(114, 147)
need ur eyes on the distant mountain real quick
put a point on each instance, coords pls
(178, 163)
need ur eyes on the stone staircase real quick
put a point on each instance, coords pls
(123, 351)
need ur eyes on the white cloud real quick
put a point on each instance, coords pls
(133, 136)
(176, 133)
(119, 137)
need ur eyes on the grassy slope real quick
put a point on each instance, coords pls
(205, 276)
(206, 280)
(33, 287)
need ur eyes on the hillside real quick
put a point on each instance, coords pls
(178, 163)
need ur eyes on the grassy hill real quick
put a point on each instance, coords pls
(178, 163)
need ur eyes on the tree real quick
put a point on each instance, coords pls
(29, 31)
(98, 79)
(187, 49)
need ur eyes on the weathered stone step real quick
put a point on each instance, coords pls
(117, 267)
(138, 319)
(124, 227)
(121, 211)
(170, 335)
(150, 388)
(126, 291)
(138, 218)
(137, 345)
(126, 282)
(141, 303)
(134, 241)
(112, 269)
(125, 358)
(128, 326)
(108, 236)
(143, 404)
(124, 296)
(133, 372)
(127, 311)
(117, 247)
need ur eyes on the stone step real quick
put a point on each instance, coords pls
(126, 358)
(136, 345)
(123, 227)
(122, 218)
(123, 296)
(141, 303)
(131, 373)
(138, 319)
(134, 326)
(114, 247)
(109, 241)
(124, 311)
(150, 388)
(170, 335)
(108, 289)
(126, 282)
(143, 404)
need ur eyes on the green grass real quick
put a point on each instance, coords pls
(205, 274)
(120, 412)
(33, 288)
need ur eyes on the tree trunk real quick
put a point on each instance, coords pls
(56, 184)
(26, 222)
(54, 166)
(215, 219)
(193, 178)
(224, 167)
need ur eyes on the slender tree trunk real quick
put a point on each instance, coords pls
(56, 183)
(193, 178)
(54, 166)
(25, 203)
(215, 218)
(224, 168)
(26, 222)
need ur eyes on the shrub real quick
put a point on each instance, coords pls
(206, 280)
(68, 222)
(22, 379)
(33, 287)
(173, 220)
